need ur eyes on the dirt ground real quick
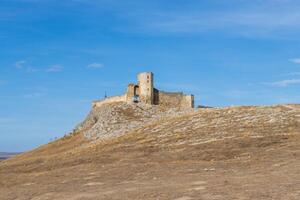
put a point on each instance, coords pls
(218, 154)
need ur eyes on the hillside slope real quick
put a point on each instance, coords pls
(230, 153)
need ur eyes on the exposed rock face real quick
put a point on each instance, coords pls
(118, 118)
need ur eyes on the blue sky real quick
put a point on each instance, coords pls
(58, 56)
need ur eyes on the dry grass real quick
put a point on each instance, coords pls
(231, 153)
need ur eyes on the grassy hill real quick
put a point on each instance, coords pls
(230, 153)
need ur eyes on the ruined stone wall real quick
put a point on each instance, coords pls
(130, 92)
(173, 99)
(166, 99)
(187, 101)
(145, 92)
(109, 100)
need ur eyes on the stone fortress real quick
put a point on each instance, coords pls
(144, 92)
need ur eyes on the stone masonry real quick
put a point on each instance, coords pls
(144, 92)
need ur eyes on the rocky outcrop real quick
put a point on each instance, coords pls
(116, 119)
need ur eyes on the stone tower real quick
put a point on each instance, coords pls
(146, 90)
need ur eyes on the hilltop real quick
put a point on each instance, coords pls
(115, 119)
(129, 151)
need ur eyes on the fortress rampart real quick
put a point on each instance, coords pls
(108, 100)
(173, 99)
(145, 92)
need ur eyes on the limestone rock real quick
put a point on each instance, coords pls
(118, 118)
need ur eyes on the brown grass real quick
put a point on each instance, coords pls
(231, 153)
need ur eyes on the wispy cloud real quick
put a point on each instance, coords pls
(32, 69)
(263, 18)
(257, 18)
(246, 23)
(54, 68)
(284, 83)
(95, 65)
(295, 60)
(20, 64)
(25, 66)
(33, 95)
(292, 74)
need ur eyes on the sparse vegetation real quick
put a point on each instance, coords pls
(229, 153)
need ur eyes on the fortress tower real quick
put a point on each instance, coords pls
(144, 92)
(146, 89)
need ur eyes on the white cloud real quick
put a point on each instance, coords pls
(95, 65)
(20, 64)
(295, 60)
(54, 68)
(285, 83)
